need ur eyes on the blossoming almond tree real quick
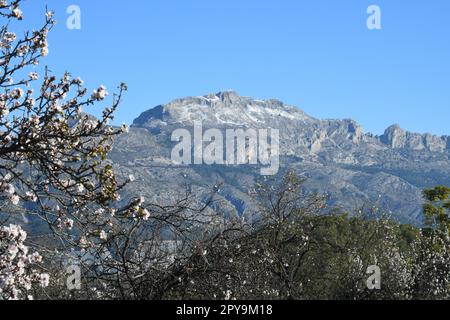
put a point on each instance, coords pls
(52, 155)
(53, 162)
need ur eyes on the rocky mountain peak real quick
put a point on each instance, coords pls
(222, 108)
(398, 138)
(227, 97)
(394, 136)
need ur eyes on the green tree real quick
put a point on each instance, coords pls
(437, 209)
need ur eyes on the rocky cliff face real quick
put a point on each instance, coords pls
(398, 138)
(336, 155)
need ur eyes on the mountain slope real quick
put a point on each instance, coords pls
(353, 167)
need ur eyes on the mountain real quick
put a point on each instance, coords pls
(337, 156)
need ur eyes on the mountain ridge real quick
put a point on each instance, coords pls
(336, 156)
(393, 136)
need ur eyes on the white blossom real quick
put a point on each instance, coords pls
(100, 93)
(17, 13)
(17, 274)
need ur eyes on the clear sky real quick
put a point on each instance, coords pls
(317, 54)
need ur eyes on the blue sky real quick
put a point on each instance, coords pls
(318, 55)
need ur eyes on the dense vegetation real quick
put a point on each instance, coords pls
(296, 249)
